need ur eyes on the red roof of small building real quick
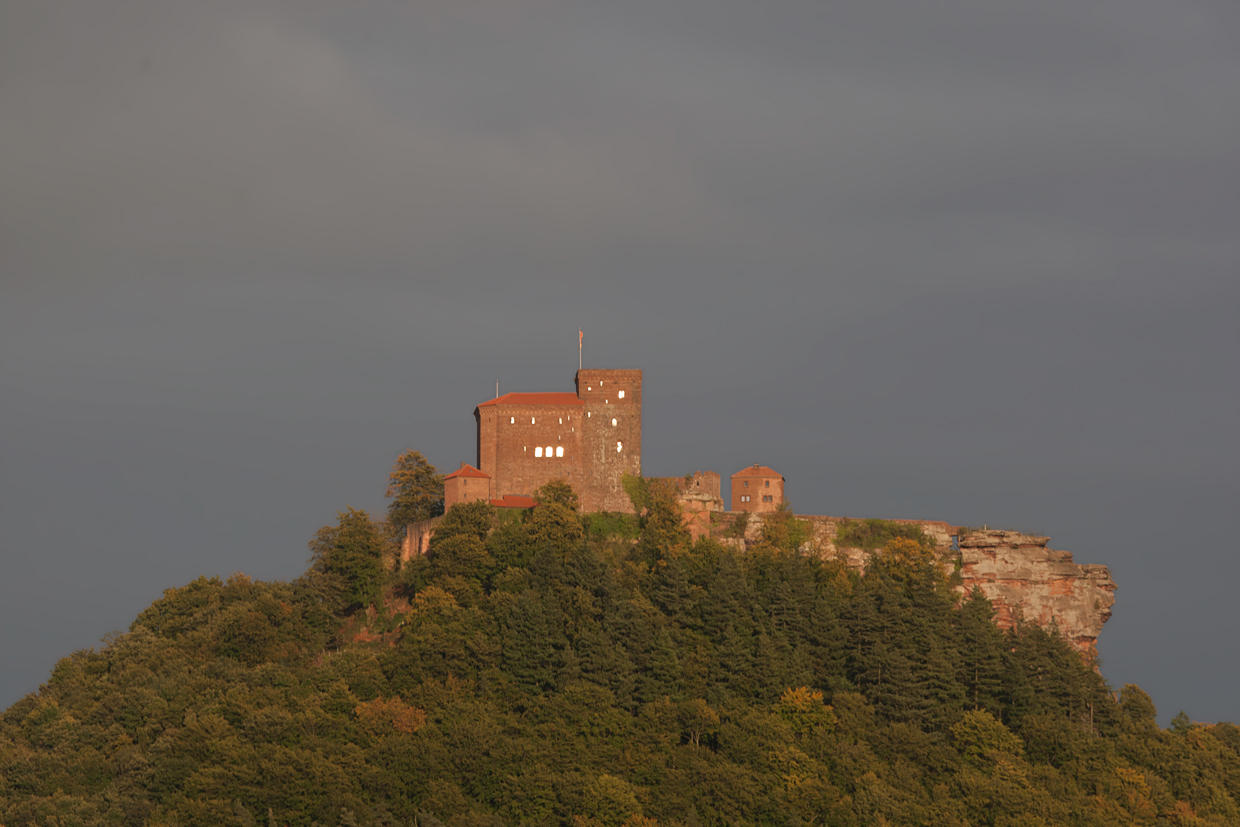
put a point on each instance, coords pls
(513, 501)
(467, 471)
(757, 471)
(534, 399)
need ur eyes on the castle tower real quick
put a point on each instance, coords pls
(465, 485)
(757, 488)
(611, 442)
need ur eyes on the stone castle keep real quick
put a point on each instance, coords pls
(592, 438)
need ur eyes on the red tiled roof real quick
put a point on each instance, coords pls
(757, 471)
(513, 501)
(534, 399)
(467, 471)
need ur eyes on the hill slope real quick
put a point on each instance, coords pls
(543, 670)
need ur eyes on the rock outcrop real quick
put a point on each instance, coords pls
(1017, 572)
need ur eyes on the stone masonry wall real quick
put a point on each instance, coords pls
(699, 498)
(611, 436)
(417, 539)
(515, 434)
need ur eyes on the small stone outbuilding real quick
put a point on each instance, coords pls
(758, 489)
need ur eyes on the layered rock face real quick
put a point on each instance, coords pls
(1018, 573)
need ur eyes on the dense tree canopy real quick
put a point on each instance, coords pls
(546, 668)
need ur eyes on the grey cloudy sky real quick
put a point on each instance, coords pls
(966, 260)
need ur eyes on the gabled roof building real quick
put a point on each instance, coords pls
(757, 488)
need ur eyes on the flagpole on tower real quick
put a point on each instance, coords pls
(581, 334)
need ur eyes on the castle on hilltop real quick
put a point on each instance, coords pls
(591, 438)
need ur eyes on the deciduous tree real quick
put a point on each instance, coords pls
(350, 553)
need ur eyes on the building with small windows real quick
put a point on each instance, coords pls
(465, 485)
(591, 438)
(757, 488)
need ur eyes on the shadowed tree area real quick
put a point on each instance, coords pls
(530, 670)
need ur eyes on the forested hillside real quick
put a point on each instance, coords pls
(542, 668)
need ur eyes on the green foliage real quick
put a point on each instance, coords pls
(635, 489)
(604, 525)
(350, 555)
(871, 535)
(980, 736)
(662, 525)
(554, 526)
(530, 672)
(782, 530)
(474, 519)
(415, 489)
(1137, 706)
(740, 525)
(558, 492)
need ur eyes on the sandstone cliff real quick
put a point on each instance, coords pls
(1019, 573)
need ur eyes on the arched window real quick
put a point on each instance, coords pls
(531, 420)
(548, 450)
(512, 420)
(619, 447)
(538, 451)
(559, 450)
(613, 422)
(621, 394)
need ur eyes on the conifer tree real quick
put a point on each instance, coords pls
(415, 489)
(983, 664)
